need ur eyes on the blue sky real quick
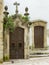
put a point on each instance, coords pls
(38, 9)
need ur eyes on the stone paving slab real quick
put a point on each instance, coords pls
(31, 61)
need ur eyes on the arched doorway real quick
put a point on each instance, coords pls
(39, 36)
(17, 43)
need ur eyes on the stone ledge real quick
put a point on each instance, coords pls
(42, 55)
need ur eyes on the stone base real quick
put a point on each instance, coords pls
(1, 60)
(39, 51)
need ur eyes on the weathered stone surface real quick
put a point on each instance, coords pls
(18, 23)
(31, 61)
(1, 30)
(39, 23)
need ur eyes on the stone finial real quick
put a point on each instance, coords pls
(6, 7)
(5, 12)
(16, 4)
(26, 11)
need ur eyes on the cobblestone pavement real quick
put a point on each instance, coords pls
(31, 61)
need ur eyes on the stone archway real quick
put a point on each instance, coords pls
(17, 43)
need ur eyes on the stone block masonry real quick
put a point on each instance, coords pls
(1, 30)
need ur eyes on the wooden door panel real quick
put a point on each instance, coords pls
(17, 43)
(39, 36)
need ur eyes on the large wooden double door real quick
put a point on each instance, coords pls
(39, 36)
(17, 43)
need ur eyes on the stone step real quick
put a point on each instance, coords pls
(39, 51)
(38, 55)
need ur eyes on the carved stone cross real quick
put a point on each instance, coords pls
(16, 4)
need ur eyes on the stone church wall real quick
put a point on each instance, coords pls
(1, 30)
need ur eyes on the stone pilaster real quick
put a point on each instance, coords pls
(26, 44)
(8, 45)
(1, 30)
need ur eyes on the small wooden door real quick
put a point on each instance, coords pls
(39, 36)
(17, 43)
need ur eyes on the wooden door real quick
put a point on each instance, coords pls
(39, 36)
(17, 43)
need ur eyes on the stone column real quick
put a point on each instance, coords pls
(5, 36)
(26, 36)
(26, 43)
(1, 30)
(32, 32)
(7, 45)
(45, 36)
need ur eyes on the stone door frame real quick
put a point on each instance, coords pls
(26, 45)
(39, 23)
